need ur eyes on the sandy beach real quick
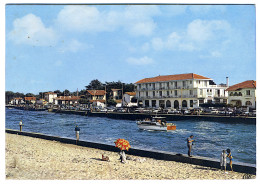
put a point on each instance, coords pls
(30, 158)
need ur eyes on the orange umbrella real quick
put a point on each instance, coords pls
(122, 144)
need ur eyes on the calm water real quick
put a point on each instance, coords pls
(211, 137)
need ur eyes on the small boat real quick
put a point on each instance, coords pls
(157, 123)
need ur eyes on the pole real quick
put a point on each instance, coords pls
(105, 95)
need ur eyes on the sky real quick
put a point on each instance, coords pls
(58, 47)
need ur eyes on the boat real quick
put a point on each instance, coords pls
(157, 123)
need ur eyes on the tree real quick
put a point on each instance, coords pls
(9, 95)
(111, 102)
(66, 92)
(58, 92)
(29, 94)
(83, 101)
(95, 84)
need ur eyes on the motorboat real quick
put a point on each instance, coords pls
(156, 123)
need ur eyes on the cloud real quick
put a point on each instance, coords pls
(203, 30)
(136, 20)
(30, 30)
(199, 35)
(140, 61)
(73, 46)
(203, 9)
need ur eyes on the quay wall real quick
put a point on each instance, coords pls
(169, 117)
(160, 155)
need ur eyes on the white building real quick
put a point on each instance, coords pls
(49, 96)
(129, 99)
(16, 101)
(243, 94)
(179, 91)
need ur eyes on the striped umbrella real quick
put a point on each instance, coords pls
(122, 144)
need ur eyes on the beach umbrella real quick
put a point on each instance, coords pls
(122, 144)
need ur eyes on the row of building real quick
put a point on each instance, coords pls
(168, 91)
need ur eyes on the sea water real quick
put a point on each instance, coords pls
(210, 137)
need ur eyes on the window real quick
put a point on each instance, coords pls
(190, 82)
(153, 93)
(247, 92)
(146, 93)
(160, 93)
(191, 92)
(168, 93)
(175, 92)
(153, 103)
(191, 103)
(200, 91)
(248, 103)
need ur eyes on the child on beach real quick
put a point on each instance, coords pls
(223, 160)
(230, 158)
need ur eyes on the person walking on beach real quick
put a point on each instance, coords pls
(21, 125)
(230, 158)
(189, 144)
(77, 129)
(223, 160)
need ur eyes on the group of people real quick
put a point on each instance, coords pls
(224, 155)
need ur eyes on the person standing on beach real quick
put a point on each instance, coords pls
(189, 144)
(230, 158)
(223, 160)
(77, 129)
(21, 125)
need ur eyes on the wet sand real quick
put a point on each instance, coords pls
(30, 158)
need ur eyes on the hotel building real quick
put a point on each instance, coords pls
(179, 91)
(243, 94)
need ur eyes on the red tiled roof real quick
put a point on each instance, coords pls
(50, 93)
(115, 89)
(30, 98)
(131, 93)
(102, 101)
(18, 98)
(68, 98)
(172, 78)
(245, 84)
(118, 101)
(96, 92)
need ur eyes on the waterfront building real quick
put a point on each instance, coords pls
(30, 99)
(179, 91)
(129, 99)
(16, 101)
(96, 97)
(243, 94)
(115, 93)
(65, 100)
(49, 96)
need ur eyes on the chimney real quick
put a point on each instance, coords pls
(227, 81)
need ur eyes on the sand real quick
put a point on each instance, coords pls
(30, 158)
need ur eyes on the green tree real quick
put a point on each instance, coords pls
(66, 92)
(95, 84)
(29, 94)
(9, 95)
(58, 92)
(83, 101)
(111, 102)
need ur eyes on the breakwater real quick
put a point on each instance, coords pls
(156, 154)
